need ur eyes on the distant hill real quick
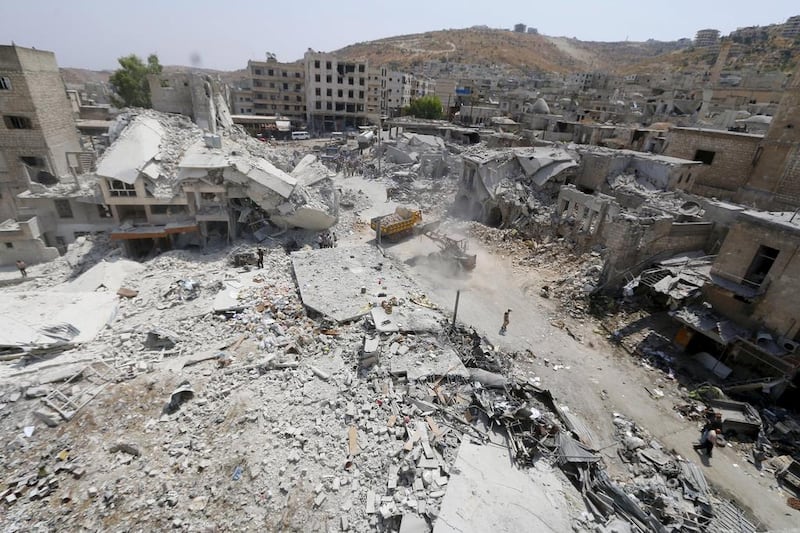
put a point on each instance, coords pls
(522, 51)
(761, 48)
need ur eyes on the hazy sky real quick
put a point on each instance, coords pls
(225, 34)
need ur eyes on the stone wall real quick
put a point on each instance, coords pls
(777, 306)
(731, 165)
(22, 241)
(634, 243)
(38, 93)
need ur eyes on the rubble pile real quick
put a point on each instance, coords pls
(548, 256)
(229, 406)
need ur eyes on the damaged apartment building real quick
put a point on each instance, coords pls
(170, 184)
(40, 148)
(726, 271)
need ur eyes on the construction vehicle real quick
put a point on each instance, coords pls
(396, 225)
(452, 250)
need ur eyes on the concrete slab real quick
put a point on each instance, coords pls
(487, 492)
(24, 314)
(406, 318)
(414, 524)
(330, 280)
(422, 365)
(108, 274)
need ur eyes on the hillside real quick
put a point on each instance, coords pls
(522, 51)
(762, 49)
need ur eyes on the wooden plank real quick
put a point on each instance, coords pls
(352, 440)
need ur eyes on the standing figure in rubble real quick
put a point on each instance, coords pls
(504, 327)
(260, 253)
(22, 268)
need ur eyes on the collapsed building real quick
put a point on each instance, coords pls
(164, 183)
(502, 188)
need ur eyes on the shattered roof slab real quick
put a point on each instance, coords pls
(24, 314)
(200, 156)
(486, 492)
(137, 146)
(267, 175)
(330, 280)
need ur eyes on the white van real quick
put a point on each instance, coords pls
(300, 136)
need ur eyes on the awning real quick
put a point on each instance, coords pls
(143, 232)
(154, 232)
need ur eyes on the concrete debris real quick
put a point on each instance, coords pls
(324, 388)
(183, 393)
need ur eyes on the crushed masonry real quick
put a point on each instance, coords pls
(317, 388)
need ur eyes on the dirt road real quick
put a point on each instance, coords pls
(592, 378)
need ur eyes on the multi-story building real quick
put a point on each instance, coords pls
(278, 88)
(421, 86)
(791, 28)
(336, 92)
(38, 138)
(707, 37)
(242, 101)
(376, 93)
(398, 91)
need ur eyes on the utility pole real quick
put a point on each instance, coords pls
(455, 309)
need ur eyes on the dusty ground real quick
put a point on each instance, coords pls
(262, 449)
(592, 377)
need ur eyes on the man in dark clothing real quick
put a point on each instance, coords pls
(22, 268)
(260, 252)
(708, 442)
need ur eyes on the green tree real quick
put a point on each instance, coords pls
(429, 106)
(130, 81)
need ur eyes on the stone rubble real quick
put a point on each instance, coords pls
(285, 421)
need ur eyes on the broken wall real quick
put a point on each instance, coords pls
(582, 216)
(731, 158)
(775, 301)
(634, 242)
(22, 241)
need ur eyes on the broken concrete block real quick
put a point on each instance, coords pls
(389, 510)
(393, 471)
(92, 492)
(370, 502)
(127, 293)
(13, 396)
(345, 523)
(320, 499)
(47, 417)
(36, 392)
(321, 374)
(130, 449)
(370, 352)
(160, 339)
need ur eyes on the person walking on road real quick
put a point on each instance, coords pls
(504, 327)
(22, 268)
(260, 252)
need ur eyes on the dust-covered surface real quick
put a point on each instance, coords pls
(268, 416)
